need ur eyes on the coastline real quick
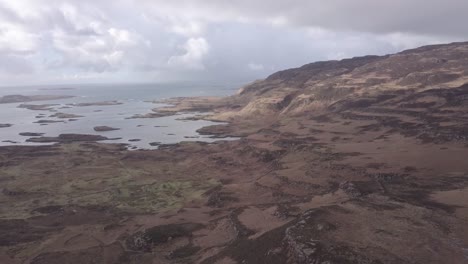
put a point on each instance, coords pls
(137, 129)
(372, 172)
(230, 184)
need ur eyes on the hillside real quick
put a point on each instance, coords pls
(314, 87)
(357, 161)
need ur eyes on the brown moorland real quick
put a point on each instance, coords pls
(355, 161)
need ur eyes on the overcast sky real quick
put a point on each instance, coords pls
(93, 41)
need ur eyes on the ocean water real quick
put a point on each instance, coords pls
(135, 99)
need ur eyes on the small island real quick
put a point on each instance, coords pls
(65, 115)
(105, 128)
(67, 138)
(103, 103)
(30, 134)
(34, 107)
(16, 98)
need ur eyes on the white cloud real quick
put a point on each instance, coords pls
(403, 41)
(114, 58)
(420, 17)
(25, 9)
(91, 43)
(15, 65)
(195, 49)
(15, 38)
(255, 66)
(278, 21)
(187, 28)
(122, 37)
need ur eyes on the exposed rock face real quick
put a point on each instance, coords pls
(147, 239)
(306, 242)
(104, 128)
(350, 189)
(302, 247)
(316, 86)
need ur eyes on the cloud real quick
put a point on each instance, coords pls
(104, 51)
(195, 49)
(16, 40)
(159, 40)
(15, 65)
(423, 17)
(255, 66)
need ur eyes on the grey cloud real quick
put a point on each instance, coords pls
(432, 17)
(13, 64)
(161, 40)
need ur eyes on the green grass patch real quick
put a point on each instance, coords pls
(160, 196)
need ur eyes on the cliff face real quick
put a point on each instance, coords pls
(315, 86)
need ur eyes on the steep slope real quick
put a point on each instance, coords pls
(315, 86)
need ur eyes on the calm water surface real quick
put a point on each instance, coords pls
(134, 99)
